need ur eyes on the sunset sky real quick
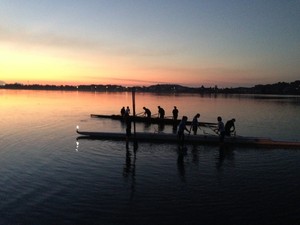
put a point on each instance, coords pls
(227, 43)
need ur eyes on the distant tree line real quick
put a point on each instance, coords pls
(281, 88)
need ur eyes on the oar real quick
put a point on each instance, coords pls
(204, 124)
(155, 114)
(211, 129)
(201, 129)
(188, 137)
(204, 132)
(192, 127)
(139, 113)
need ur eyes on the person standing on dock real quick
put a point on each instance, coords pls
(127, 111)
(195, 123)
(175, 116)
(182, 128)
(221, 129)
(230, 127)
(175, 113)
(161, 112)
(122, 111)
(147, 112)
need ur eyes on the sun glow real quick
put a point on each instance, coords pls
(21, 66)
(44, 66)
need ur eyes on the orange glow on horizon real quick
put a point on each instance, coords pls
(58, 67)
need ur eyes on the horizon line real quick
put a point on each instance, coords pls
(2, 83)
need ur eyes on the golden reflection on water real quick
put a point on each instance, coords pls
(37, 153)
(255, 117)
(109, 103)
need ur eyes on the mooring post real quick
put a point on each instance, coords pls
(134, 127)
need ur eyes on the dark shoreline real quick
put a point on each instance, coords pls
(281, 88)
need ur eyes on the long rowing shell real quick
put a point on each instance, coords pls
(154, 120)
(192, 139)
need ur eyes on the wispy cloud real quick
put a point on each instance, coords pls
(125, 80)
(25, 37)
(28, 38)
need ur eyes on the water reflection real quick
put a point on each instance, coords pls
(123, 125)
(225, 153)
(129, 168)
(204, 194)
(161, 127)
(182, 153)
(147, 126)
(77, 146)
(195, 154)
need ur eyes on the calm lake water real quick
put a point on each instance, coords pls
(48, 177)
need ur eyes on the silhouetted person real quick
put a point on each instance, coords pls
(127, 111)
(161, 112)
(181, 129)
(147, 112)
(221, 129)
(229, 127)
(175, 116)
(175, 113)
(122, 111)
(195, 123)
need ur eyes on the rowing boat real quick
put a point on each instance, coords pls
(191, 139)
(152, 120)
